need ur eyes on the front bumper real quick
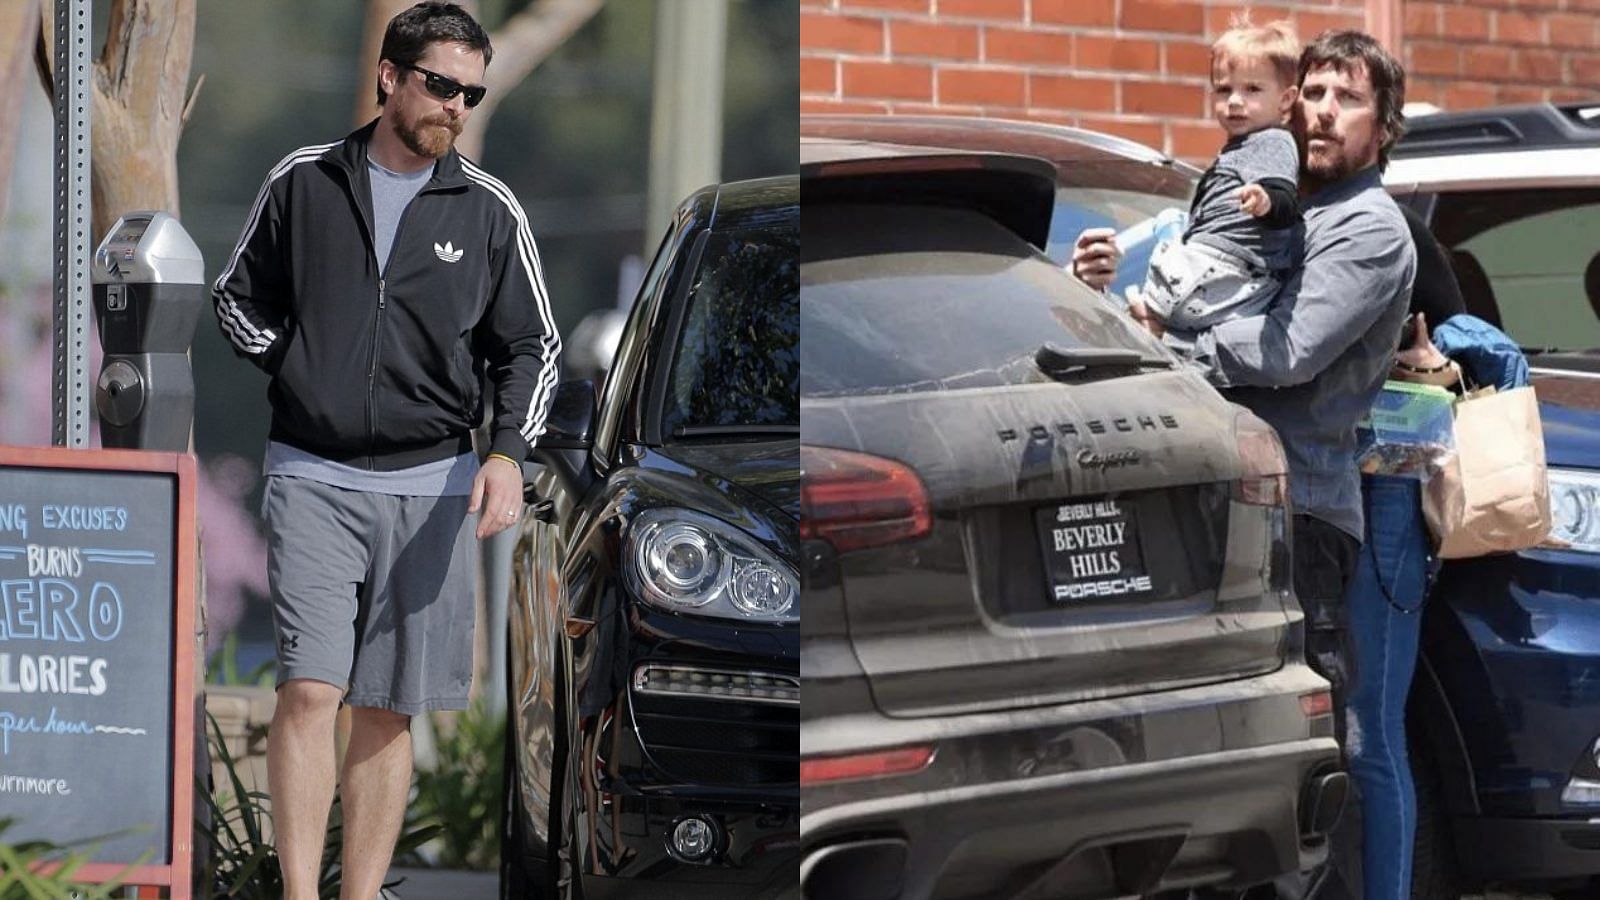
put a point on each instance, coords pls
(649, 759)
(1527, 849)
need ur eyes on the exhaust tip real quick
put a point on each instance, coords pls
(1322, 802)
(856, 870)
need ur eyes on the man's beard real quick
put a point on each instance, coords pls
(1331, 165)
(431, 137)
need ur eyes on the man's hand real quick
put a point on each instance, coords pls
(1422, 361)
(1254, 200)
(1422, 354)
(498, 492)
(1094, 257)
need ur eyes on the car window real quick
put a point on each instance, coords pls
(1078, 208)
(632, 346)
(1522, 256)
(737, 363)
(908, 298)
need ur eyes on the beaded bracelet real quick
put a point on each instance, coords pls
(1418, 370)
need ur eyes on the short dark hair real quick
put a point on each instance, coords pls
(1345, 51)
(412, 32)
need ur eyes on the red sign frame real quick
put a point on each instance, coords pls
(175, 876)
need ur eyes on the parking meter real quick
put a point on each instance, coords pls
(149, 289)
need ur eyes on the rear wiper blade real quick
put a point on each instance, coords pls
(1057, 361)
(736, 431)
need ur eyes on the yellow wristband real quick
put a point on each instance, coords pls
(506, 458)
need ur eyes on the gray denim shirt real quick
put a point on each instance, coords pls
(1312, 364)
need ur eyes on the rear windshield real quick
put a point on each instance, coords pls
(909, 298)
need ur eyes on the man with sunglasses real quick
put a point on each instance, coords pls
(379, 280)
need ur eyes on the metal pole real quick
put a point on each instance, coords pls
(686, 112)
(70, 318)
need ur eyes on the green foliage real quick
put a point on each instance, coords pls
(223, 667)
(462, 794)
(40, 870)
(237, 860)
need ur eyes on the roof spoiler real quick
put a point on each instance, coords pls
(1016, 191)
(1531, 127)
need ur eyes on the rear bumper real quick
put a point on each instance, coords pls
(1065, 804)
(1221, 819)
(1527, 849)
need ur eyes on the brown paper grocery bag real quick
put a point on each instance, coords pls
(1491, 495)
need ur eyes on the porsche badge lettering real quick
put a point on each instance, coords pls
(1113, 459)
(1120, 424)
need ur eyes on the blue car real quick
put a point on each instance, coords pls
(1505, 708)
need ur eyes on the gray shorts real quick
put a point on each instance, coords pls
(373, 592)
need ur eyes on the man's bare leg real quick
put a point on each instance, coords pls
(374, 788)
(300, 777)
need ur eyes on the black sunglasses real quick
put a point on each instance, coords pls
(447, 88)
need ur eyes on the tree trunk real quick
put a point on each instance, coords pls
(139, 110)
(19, 23)
(379, 12)
(140, 85)
(520, 45)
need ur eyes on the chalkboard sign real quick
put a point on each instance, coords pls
(97, 560)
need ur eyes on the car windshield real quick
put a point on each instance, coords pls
(908, 298)
(737, 367)
(1527, 262)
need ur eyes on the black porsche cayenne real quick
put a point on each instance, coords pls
(1049, 647)
(653, 647)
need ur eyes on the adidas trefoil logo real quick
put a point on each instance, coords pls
(448, 253)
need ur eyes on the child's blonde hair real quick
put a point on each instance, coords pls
(1274, 42)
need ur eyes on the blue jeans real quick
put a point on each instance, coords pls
(1384, 605)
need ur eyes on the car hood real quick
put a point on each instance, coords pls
(770, 470)
(1569, 407)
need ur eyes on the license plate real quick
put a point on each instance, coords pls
(1092, 552)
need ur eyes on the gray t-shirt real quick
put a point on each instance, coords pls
(451, 477)
(1216, 219)
(391, 193)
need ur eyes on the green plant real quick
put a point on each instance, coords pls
(40, 870)
(223, 667)
(462, 794)
(240, 863)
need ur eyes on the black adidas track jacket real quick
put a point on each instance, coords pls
(384, 373)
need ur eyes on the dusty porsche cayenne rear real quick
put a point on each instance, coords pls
(1049, 647)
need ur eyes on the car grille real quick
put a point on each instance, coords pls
(720, 740)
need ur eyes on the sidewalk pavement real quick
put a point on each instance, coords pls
(445, 884)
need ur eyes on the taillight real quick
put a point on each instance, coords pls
(853, 500)
(903, 761)
(1317, 704)
(1263, 471)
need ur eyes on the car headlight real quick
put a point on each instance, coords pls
(1575, 507)
(686, 561)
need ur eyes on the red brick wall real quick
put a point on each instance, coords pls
(1139, 68)
(1487, 52)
